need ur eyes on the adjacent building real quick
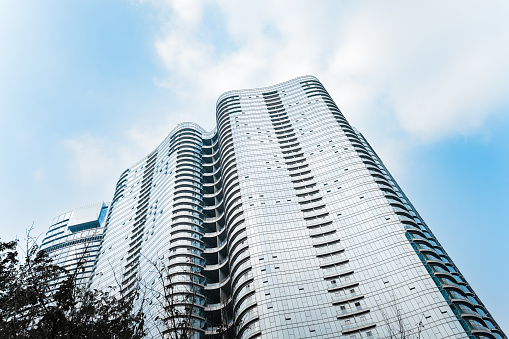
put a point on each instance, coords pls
(280, 223)
(74, 238)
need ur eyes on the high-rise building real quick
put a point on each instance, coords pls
(74, 239)
(281, 223)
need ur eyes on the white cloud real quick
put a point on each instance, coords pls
(96, 162)
(403, 73)
(39, 175)
(91, 157)
(424, 71)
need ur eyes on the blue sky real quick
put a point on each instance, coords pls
(88, 88)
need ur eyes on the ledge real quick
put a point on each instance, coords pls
(357, 327)
(352, 313)
(337, 301)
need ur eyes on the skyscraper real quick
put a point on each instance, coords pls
(281, 223)
(74, 239)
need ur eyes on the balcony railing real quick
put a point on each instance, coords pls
(366, 323)
(346, 296)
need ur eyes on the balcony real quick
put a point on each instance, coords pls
(325, 240)
(336, 271)
(358, 326)
(214, 285)
(465, 311)
(213, 267)
(320, 230)
(215, 249)
(351, 312)
(329, 249)
(334, 260)
(311, 205)
(477, 329)
(336, 287)
(212, 220)
(317, 222)
(306, 190)
(346, 298)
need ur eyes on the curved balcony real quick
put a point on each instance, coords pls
(235, 216)
(214, 163)
(248, 301)
(336, 271)
(357, 326)
(212, 195)
(241, 291)
(336, 300)
(220, 247)
(216, 285)
(188, 259)
(246, 318)
(177, 201)
(235, 243)
(334, 261)
(213, 220)
(233, 209)
(333, 237)
(241, 267)
(186, 252)
(216, 233)
(336, 287)
(477, 329)
(210, 152)
(243, 276)
(216, 306)
(419, 240)
(188, 167)
(213, 205)
(184, 223)
(239, 255)
(187, 208)
(236, 229)
(351, 312)
(306, 189)
(189, 242)
(426, 248)
(465, 312)
(187, 175)
(208, 173)
(185, 213)
(222, 263)
(321, 230)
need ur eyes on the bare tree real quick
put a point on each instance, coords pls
(395, 323)
(224, 329)
(32, 306)
(177, 295)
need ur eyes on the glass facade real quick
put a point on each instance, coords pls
(280, 223)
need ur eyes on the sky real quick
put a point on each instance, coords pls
(87, 88)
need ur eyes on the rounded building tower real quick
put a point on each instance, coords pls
(281, 223)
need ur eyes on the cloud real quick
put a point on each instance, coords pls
(423, 71)
(403, 73)
(39, 175)
(91, 157)
(96, 162)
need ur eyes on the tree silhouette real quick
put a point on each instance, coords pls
(33, 306)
